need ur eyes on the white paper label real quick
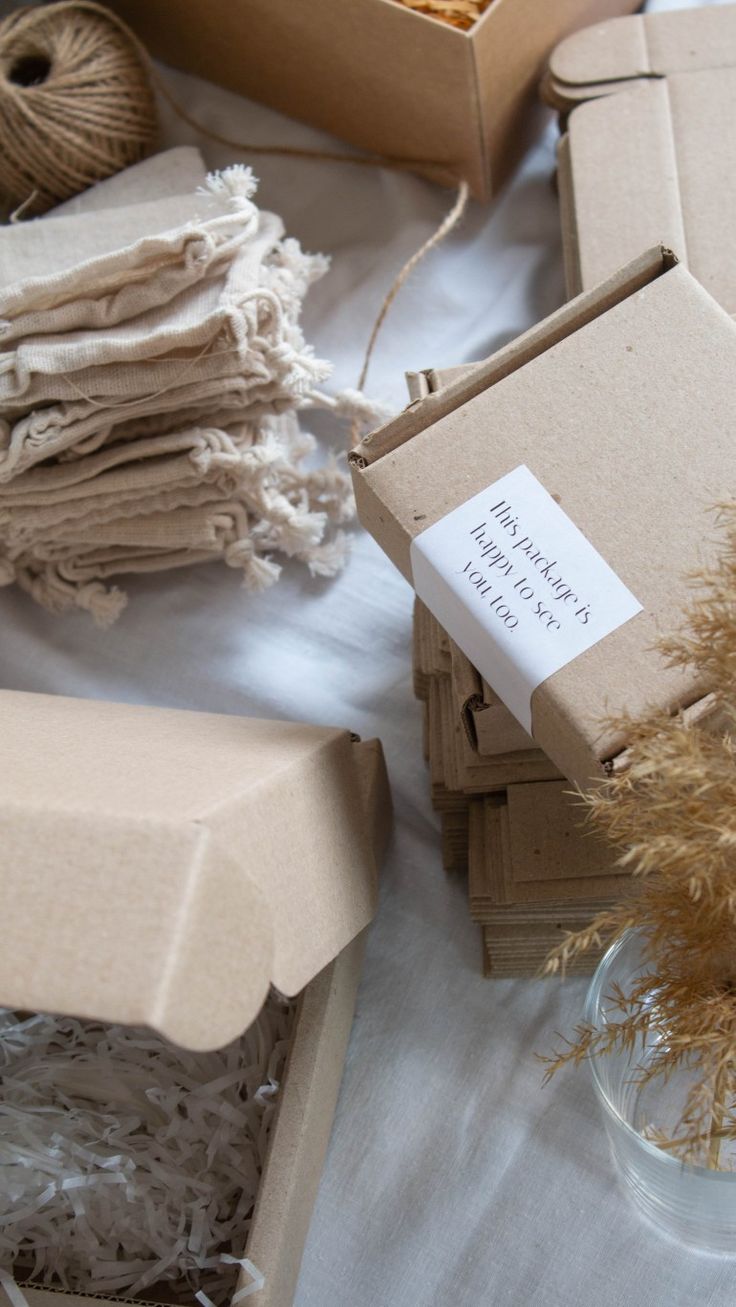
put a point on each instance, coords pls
(517, 586)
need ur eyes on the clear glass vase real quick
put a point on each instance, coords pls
(695, 1204)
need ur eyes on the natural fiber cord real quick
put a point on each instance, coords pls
(76, 103)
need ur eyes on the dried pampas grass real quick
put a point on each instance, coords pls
(671, 814)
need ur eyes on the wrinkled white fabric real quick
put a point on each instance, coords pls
(452, 1178)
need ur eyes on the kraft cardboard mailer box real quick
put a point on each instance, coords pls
(228, 854)
(648, 154)
(450, 103)
(588, 445)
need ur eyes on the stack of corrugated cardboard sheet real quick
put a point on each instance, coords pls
(509, 819)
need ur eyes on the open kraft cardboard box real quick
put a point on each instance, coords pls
(648, 153)
(171, 825)
(452, 104)
(606, 392)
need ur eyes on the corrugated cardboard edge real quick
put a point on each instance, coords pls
(570, 318)
(564, 97)
(705, 714)
(303, 1126)
(421, 384)
(417, 384)
(306, 1108)
(568, 220)
(467, 688)
(464, 676)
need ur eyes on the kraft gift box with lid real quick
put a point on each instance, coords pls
(647, 152)
(163, 868)
(457, 105)
(603, 403)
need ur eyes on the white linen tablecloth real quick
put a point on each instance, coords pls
(453, 1177)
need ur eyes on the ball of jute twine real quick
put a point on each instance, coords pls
(76, 103)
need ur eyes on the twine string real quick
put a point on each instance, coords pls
(76, 101)
(447, 225)
(388, 162)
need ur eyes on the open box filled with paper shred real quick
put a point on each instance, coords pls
(169, 878)
(453, 103)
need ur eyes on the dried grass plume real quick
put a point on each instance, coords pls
(671, 815)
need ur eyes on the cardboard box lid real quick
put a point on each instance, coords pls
(605, 403)
(163, 868)
(604, 58)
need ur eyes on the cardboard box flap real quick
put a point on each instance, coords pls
(421, 384)
(465, 385)
(596, 60)
(163, 868)
(609, 401)
(551, 841)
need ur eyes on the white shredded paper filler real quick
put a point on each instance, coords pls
(126, 1162)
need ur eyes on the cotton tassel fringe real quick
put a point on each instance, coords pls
(252, 495)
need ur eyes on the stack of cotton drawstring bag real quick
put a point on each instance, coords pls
(152, 368)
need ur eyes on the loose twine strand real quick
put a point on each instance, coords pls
(93, 113)
(448, 224)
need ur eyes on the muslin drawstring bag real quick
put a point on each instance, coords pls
(149, 392)
(270, 500)
(150, 484)
(135, 257)
(215, 316)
